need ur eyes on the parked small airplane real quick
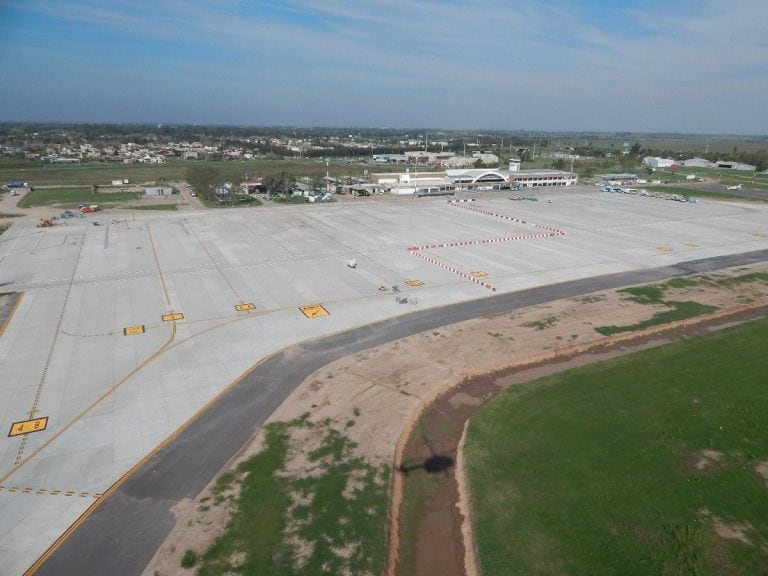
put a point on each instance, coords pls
(736, 187)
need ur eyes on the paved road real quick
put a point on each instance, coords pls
(123, 533)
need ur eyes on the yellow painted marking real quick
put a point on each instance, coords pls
(43, 491)
(28, 426)
(98, 498)
(244, 307)
(479, 273)
(664, 249)
(159, 269)
(414, 283)
(97, 501)
(760, 235)
(132, 330)
(173, 316)
(314, 311)
(88, 408)
(692, 245)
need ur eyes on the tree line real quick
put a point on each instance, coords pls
(207, 179)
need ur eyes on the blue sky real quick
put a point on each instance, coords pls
(649, 66)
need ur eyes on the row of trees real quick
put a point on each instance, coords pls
(207, 179)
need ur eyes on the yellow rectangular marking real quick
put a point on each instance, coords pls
(664, 249)
(314, 311)
(244, 307)
(132, 330)
(173, 316)
(479, 273)
(692, 245)
(414, 283)
(28, 426)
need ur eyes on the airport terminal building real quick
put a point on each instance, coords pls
(452, 181)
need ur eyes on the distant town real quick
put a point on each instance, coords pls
(156, 144)
(230, 165)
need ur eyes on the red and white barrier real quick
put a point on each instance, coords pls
(416, 250)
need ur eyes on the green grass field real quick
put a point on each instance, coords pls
(654, 295)
(723, 176)
(102, 174)
(72, 196)
(604, 469)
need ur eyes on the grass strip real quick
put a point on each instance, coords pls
(290, 199)
(168, 207)
(653, 294)
(631, 466)
(259, 517)
(679, 311)
(330, 518)
(72, 196)
(743, 279)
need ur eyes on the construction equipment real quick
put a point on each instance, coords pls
(47, 222)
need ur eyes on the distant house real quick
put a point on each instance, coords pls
(458, 162)
(252, 187)
(487, 158)
(656, 162)
(225, 190)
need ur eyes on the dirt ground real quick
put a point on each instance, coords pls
(387, 388)
(8, 205)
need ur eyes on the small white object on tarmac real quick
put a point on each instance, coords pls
(352, 263)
